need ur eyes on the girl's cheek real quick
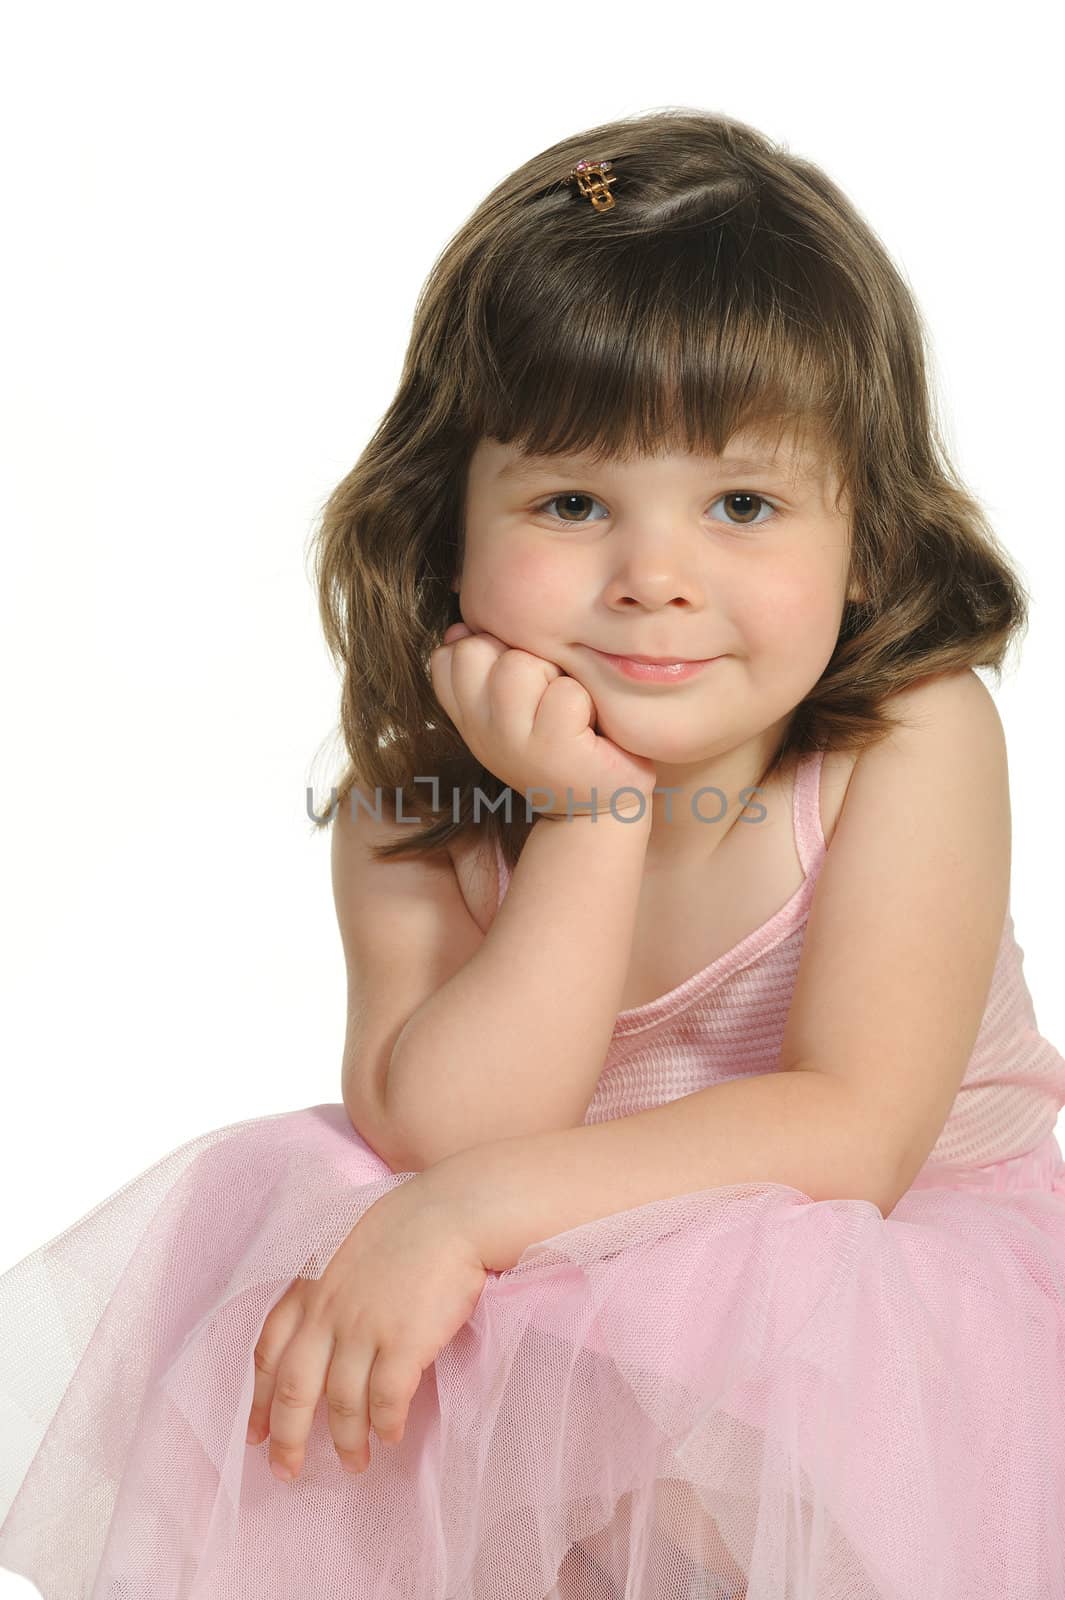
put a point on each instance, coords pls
(528, 588)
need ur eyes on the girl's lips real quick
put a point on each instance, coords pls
(647, 672)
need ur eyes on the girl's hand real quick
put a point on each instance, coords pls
(398, 1289)
(530, 724)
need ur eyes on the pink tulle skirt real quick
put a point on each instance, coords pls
(737, 1392)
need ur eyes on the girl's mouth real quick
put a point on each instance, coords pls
(655, 672)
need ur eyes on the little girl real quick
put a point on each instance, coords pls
(693, 1223)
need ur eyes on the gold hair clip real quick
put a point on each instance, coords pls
(592, 183)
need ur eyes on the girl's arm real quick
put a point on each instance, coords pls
(800, 1128)
(514, 1042)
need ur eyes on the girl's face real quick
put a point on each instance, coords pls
(677, 556)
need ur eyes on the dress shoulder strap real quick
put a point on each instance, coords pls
(806, 811)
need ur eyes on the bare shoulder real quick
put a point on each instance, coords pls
(949, 752)
(361, 822)
(373, 894)
(946, 757)
(959, 696)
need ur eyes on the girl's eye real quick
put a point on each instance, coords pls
(744, 519)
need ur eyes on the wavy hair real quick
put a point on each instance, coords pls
(733, 286)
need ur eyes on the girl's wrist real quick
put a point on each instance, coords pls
(628, 810)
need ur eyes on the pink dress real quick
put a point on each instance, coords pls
(738, 1391)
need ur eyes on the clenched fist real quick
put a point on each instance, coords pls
(530, 724)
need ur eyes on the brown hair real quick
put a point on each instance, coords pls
(733, 286)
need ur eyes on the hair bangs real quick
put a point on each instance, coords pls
(654, 343)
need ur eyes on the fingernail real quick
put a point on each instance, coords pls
(252, 1435)
(280, 1472)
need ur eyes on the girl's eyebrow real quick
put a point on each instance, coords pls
(522, 467)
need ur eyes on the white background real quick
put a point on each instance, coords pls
(217, 220)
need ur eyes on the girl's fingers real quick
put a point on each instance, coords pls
(301, 1379)
(393, 1382)
(277, 1330)
(347, 1397)
(441, 666)
(452, 674)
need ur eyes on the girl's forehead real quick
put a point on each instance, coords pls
(505, 464)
